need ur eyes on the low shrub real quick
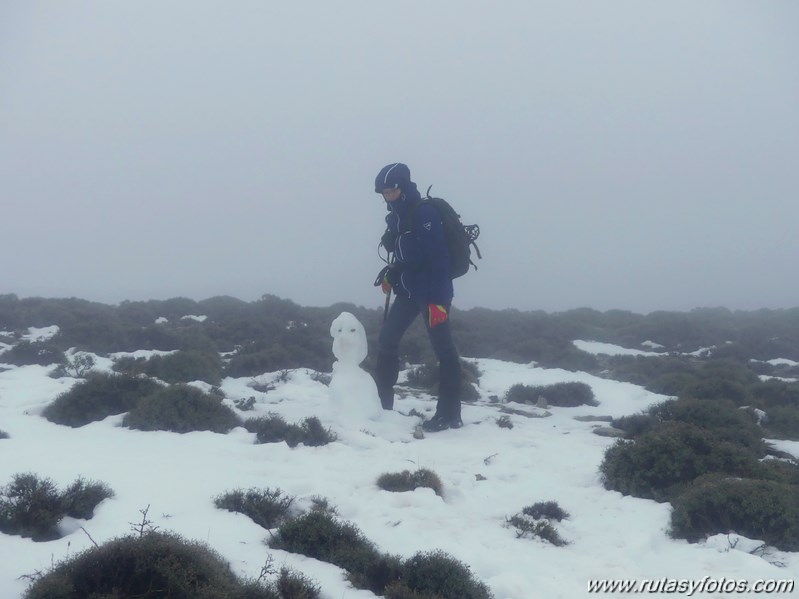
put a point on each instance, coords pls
(314, 434)
(435, 574)
(783, 422)
(549, 510)
(661, 462)
(781, 471)
(32, 507)
(27, 353)
(99, 396)
(81, 498)
(772, 394)
(426, 378)
(564, 395)
(181, 409)
(536, 521)
(294, 585)
(76, 366)
(3, 435)
(178, 367)
(504, 422)
(758, 509)
(273, 428)
(322, 536)
(406, 480)
(156, 565)
(530, 527)
(722, 417)
(635, 425)
(266, 507)
(727, 421)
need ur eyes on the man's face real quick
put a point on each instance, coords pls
(391, 194)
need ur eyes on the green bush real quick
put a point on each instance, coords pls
(781, 471)
(42, 353)
(663, 461)
(757, 509)
(181, 409)
(783, 422)
(32, 507)
(536, 521)
(426, 378)
(322, 536)
(99, 396)
(435, 574)
(272, 428)
(720, 416)
(156, 565)
(286, 349)
(266, 507)
(406, 480)
(543, 529)
(772, 394)
(76, 366)
(293, 585)
(560, 394)
(635, 425)
(80, 499)
(179, 367)
(549, 510)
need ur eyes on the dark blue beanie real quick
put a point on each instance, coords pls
(393, 176)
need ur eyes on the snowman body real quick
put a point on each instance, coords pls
(353, 393)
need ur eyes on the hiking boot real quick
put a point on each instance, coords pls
(441, 423)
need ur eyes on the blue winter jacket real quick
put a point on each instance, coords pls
(421, 258)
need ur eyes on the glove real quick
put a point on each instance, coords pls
(385, 285)
(437, 314)
(388, 240)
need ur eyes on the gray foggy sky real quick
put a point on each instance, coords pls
(628, 154)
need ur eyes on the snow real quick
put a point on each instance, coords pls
(702, 351)
(193, 317)
(540, 459)
(40, 334)
(599, 348)
(652, 345)
(353, 392)
(142, 353)
(766, 377)
(782, 362)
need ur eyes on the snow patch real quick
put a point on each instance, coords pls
(142, 353)
(608, 349)
(195, 318)
(41, 334)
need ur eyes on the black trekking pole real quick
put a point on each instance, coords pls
(385, 309)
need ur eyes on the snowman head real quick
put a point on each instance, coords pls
(349, 339)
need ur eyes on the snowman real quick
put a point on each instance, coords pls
(353, 393)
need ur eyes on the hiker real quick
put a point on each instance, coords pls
(419, 276)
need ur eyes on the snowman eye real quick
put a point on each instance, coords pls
(352, 330)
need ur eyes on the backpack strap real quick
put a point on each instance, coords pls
(409, 224)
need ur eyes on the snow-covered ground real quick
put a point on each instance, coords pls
(489, 473)
(609, 349)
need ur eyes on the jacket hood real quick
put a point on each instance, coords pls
(397, 175)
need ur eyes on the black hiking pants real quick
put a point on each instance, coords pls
(401, 315)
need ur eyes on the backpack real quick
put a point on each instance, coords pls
(459, 236)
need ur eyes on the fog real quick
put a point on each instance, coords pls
(625, 154)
